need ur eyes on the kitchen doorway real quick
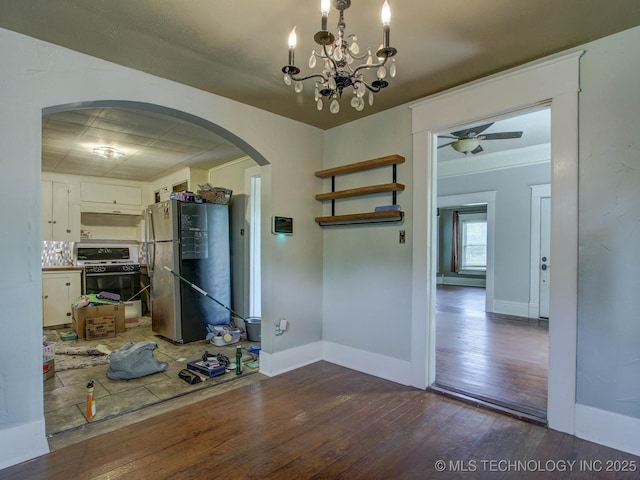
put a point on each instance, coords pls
(64, 393)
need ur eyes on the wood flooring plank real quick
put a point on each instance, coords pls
(321, 421)
(493, 357)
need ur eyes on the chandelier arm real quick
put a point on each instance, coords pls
(368, 67)
(358, 57)
(371, 88)
(315, 75)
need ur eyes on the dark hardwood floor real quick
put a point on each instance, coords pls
(323, 421)
(496, 358)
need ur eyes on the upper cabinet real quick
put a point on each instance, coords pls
(110, 198)
(60, 215)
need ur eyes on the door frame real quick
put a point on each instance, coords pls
(489, 198)
(538, 192)
(554, 83)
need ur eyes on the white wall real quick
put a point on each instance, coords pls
(609, 272)
(367, 272)
(36, 75)
(231, 175)
(513, 226)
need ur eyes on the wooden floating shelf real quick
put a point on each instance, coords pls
(386, 216)
(360, 166)
(370, 217)
(354, 192)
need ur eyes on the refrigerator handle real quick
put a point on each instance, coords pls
(151, 241)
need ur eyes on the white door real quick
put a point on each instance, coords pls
(545, 236)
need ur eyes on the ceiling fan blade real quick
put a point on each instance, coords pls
(471, 132)
(446, 144)
(478, 149)
(500, 135)
(447, 136)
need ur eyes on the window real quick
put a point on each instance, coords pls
(473, 242)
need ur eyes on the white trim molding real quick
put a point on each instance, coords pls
(516, 309)
(520, 157)
(27, 441)
(607, 428)
(553, 83)
(489, 198)
(371, 363)
(272, 364)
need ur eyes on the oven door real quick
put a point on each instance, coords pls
(125, 284)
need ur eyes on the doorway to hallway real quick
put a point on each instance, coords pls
(488, 344)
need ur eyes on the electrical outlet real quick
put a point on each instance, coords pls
(281, 326)
(403, 236)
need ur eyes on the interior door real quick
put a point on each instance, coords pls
(545, 236)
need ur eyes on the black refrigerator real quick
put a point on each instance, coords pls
(192, 239)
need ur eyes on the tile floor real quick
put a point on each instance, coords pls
(65, 394)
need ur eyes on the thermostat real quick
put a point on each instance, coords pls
(282, 225)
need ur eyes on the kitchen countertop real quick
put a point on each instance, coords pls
(62, 268)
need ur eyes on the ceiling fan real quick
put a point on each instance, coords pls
(468, 140)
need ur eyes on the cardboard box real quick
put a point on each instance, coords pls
(100, 327)
(80, 316)
(48, 370)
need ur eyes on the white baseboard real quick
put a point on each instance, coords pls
(272, 364)
(517, 309)
(22, 443)
(608, 428)
(461, 281)
(534, 310)
(391, 369)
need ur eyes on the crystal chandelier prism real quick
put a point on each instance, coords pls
(338, 56)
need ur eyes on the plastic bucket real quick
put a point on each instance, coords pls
(253, 329)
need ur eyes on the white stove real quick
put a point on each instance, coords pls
(113, 267)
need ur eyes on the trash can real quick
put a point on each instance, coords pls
(253, 329)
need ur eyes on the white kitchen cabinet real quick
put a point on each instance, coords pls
(109, 194)
(60, 289)
(60, 218)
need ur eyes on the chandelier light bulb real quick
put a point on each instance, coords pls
(385, 14)
(293, 39)
(325, 5)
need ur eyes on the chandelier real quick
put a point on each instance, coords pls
(338, 56)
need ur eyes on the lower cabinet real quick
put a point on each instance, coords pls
(59, 291)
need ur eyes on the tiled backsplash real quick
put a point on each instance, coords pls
(56, 254)
(60, 254)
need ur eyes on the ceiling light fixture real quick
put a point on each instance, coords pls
(108, 152)
(338, 56)
(466, 145)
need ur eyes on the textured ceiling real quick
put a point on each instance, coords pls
(236, 49)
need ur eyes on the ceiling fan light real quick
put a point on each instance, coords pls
(465, 145)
